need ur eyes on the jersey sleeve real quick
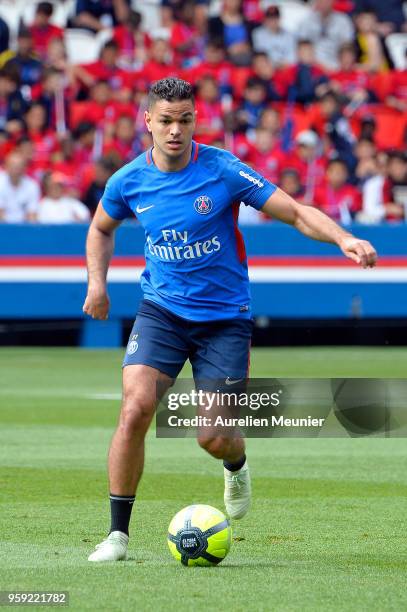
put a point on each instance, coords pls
(113, 201)
(245, 184)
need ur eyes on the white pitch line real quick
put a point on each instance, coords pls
(103, 396)
(15, 392)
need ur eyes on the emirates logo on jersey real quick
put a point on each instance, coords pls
(203, 205)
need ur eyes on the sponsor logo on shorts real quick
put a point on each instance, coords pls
(252, 179)
(132, 345)
(203, 205)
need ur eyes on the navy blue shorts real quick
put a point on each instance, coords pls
(217, 350)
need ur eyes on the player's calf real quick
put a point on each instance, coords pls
(218, 446)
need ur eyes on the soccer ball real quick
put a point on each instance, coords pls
(199, 535)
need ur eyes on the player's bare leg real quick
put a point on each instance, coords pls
(126, 454)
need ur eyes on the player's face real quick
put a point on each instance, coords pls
(172, 126)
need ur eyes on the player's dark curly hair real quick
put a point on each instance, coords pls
(170, 89)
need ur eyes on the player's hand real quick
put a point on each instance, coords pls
(97, 304)
(360, 251)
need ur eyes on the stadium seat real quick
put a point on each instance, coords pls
(150, 10)
(380, 83)
(103, 36)
(293, 14)
(82, 46)
(11, 15)
(391, 125)
(397, 46)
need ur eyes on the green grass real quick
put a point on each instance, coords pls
(326, 530)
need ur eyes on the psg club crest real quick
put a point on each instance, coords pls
(203, 205)
(133, 345)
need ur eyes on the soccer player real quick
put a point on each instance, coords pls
(196, 290)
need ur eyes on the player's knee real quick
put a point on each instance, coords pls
(135, 415)
(217, 446)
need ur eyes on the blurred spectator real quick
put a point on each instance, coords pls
(96, 16)
(85, 140)
(397, 93)
(373, 210)
(160, 64)
(44, 139)
(57, 206)
(185, 38)
(19, 194)
(170, 10)
(68, 163)
(209, 110)
(55, 97)
(104, 168)
(389, 13)
(290, 182)
(106, 68)
(253, 11)
(270, 120)
(368, 127)
(133, 43)
(98, 106)
(350, 82)
(4, 36)
(337, 128)
(56, 56)
(366, 166)
(214, 64)
(232, 29)
(264, 70)
(42, 31)
(266, 155)
(25, 148)
(253, 104)
(57, 60)
(124, 143)
(385, 193)
(29, 67)
(395, 186)
(236, 142)
(12, 104)
(371, 54)
(281, 46)
(328, 30)
(337, 197)
(307, 160)
(303, 80)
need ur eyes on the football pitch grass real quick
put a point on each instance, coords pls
(327, 528)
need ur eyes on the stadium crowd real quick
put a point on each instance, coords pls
(322, 112)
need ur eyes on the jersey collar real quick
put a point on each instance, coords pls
(194, 154)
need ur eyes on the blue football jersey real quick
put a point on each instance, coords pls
(196, 263)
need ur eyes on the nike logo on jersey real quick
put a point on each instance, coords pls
(141, 210)
(229, 381)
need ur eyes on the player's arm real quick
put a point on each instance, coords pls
(99, 250)
(315, 224)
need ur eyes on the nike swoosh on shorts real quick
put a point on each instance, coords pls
(229, 381)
